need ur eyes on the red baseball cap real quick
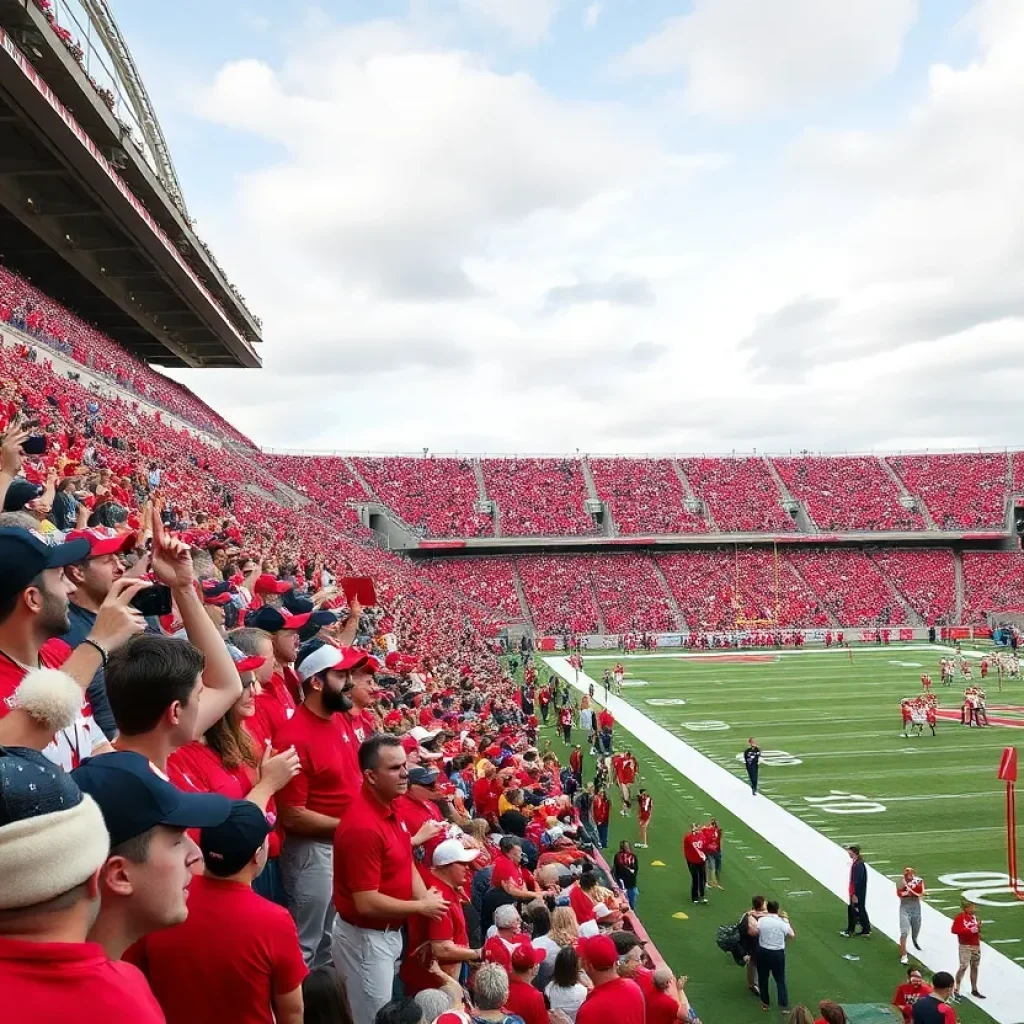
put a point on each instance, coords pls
(599, 951)
(267, 584)
(103, 541)
(527, 955)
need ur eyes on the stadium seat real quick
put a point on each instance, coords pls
(962, 491)
(539, 497)
(740, 493)
(645, 496)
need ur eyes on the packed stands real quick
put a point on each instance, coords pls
(630, 594)
(645, 496)
(715, 589)
(740, 494)
(487, 581)
(538, 497)
(25, 307)
(962, 491)
(925, 576)
(992, 582)
(847, 493)
(433, 495)
(849, 585)
(560, 594)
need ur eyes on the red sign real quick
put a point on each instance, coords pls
(1008, 765)
(906, 634)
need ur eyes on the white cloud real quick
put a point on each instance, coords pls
(527, 21)
(591, 16)
(742, 58)
(450, 256)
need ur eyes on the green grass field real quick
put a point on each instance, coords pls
(931, 802)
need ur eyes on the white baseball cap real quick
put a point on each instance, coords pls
(421, 735)
(451, 851)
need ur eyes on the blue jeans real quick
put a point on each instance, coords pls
(715, 863)
(602, 831)
(631, 895)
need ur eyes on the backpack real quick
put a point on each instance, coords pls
(728, 937)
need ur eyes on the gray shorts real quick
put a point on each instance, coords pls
(910, 917)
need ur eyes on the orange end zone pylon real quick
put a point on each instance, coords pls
(1008, 774)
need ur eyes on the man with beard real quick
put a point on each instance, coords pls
(34, 596)
(310, 806)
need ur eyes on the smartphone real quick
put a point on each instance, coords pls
(154, 601)
(34, 445)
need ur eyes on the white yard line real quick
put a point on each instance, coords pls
(825, 861)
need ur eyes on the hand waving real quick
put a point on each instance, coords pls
(11, 455)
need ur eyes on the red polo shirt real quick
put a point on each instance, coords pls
(372, 852)
(451, 927)
(325, 783)
(58, 982)
(199, 978)
(619, 1000)
(526, 1001)
(414, 814)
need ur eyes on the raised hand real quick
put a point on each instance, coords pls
(172, 559)
(117, 621)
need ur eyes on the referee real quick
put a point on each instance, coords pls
(752, 759)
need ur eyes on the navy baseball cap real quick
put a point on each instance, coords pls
(297, 604)
(24, 554)
(134, 798)
(228, 847)
(272, 620)
(19, 493)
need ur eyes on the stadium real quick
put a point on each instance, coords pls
(799, 599)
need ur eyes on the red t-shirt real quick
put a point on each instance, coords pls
(451, 927)
(711, 837)
(907, 994)
(605, 720)
(601, 809)
(582, 905)
(619, 1000)
(526, 1001)
(200, 978)
(372, 851)
(644, 805)
(485, 796)
(506, 871)
(196, 766)
(967, 929)
(661, 1008)
(325, 783)
(58, 982)
(274, 706)
(627, 770)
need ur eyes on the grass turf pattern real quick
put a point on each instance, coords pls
(842, 766)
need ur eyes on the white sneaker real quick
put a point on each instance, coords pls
(904, 959)
(623, 812)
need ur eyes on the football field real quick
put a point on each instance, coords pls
(834, 758)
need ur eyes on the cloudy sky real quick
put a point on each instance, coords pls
(618, 226)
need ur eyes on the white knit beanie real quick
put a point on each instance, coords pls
(51, 697)
(48, 855)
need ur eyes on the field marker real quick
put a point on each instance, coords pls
(680, 916)
(1002, 942)
(850, 956)
(782, 878)
(801, 892)
(657, 863)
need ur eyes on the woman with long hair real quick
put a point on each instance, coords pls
(564, 930)
(566, 992)
(625, 869)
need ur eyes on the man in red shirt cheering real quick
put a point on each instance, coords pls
(967, 929)
(376, 884)
(696, 861)
(444, 939)
(53, 844)
(907, 994)
(256, 978)
(612, 998)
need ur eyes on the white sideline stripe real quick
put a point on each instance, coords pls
(760, 652)
(824, 860)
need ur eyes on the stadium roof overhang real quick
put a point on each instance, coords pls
(80, 231)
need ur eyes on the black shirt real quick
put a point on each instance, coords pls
(751, 757)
